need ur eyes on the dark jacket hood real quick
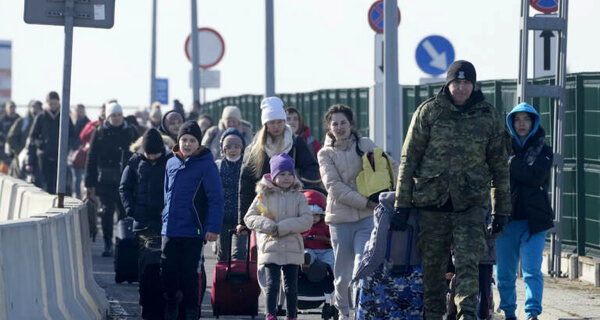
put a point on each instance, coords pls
(523, 107)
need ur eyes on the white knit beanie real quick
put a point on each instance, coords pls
(113, 108)
(231, 112)
(272, 109)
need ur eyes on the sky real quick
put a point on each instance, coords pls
(319, 44)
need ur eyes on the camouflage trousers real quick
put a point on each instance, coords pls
(464, 233)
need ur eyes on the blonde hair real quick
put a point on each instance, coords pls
(257, 154)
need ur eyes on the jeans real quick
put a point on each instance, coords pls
(76, 175)
(179, 270)
(323, 255)
(290, 279)
(348, 241)
(514, 242)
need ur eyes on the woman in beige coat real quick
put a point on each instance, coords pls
(278, 214)
(349, 214)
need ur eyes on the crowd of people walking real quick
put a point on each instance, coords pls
(189, 182)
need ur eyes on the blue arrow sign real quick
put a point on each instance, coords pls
(434, 55)
(162, 90)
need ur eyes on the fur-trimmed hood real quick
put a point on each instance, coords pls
(136, 146)
(267, 186)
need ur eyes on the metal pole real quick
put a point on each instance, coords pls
(153, 59)
(558, 139)
(393, 131)
(195, 54)
(270, 50)
(523, 47)
(63, 133)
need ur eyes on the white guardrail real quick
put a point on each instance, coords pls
(45, 257)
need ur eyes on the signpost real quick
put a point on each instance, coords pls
(545, 6)
(211, 46)
(70, 13)
(545, 47)
(208, 78)
(375, 16)
(5, 70)
(434, 55)
(162, 90)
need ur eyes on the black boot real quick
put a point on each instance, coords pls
(108, 251)
(172, 306)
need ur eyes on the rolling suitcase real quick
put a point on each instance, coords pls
(126, 252)
(151, 298)
(392, 291)
(235, 288)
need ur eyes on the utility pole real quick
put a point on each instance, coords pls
(393, 123)
(195, 54)
(270, 50)
(153, 59)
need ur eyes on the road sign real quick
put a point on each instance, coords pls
(162, 90)
(375, 16)
(545, 45)
(88, 13)
(211, 46)
(434, 55)
(545, 6)
(208, 78)
(5, 70)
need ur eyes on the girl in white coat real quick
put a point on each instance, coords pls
(278, 214)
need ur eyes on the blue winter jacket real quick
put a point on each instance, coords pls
(193, 196)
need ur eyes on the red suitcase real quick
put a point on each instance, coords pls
(235, 289)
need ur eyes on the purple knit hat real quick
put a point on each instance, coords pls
(281, 162)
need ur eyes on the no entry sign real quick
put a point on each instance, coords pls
(375, 16)
(545, 6)
(211, 45)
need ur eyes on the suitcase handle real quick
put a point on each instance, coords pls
(231, 232)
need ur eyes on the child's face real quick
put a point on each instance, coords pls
(188, 144)
(232, 147)
(284, 180)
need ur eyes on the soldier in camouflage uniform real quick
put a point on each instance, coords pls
(453, 154)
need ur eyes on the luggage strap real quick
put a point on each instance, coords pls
(228, 274)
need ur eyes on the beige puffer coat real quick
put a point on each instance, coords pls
(278, 239)
(339, 165)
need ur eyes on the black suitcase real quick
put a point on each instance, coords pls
(126, 252)
(151, 298)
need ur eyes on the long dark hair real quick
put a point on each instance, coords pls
(347, 112)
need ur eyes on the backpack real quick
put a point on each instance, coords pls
(377, 175)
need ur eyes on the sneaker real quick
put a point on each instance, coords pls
(271, 317)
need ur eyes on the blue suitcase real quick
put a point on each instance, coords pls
(392, 292)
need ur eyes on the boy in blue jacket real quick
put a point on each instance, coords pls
(193, 213)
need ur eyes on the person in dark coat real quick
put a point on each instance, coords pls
(273, 138)
(108, 154)
(17, 137)
(7, 120)
(230, 165)
(141, 191)
(532, 216)
(43, 144)
(193, 213)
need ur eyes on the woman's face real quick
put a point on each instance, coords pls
(232, 123)
(275, 128)
(293, 122)
(339, 126)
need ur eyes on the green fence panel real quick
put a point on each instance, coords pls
(581, 198)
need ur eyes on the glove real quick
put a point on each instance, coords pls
(498, 223)
(399, 220)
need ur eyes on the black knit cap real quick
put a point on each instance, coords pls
(190, 127)
(152, 142)
(461, 70)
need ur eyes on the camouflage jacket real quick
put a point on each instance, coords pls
(456, 154)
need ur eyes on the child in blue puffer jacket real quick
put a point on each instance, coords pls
(193, 213)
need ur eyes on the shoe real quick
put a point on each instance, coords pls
(291, 318)
(511, 318)
(107, 253)
(172, 305)
(108, 250)
(271, 317)
(532, 318)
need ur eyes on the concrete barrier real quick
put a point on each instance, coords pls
(45, 257)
